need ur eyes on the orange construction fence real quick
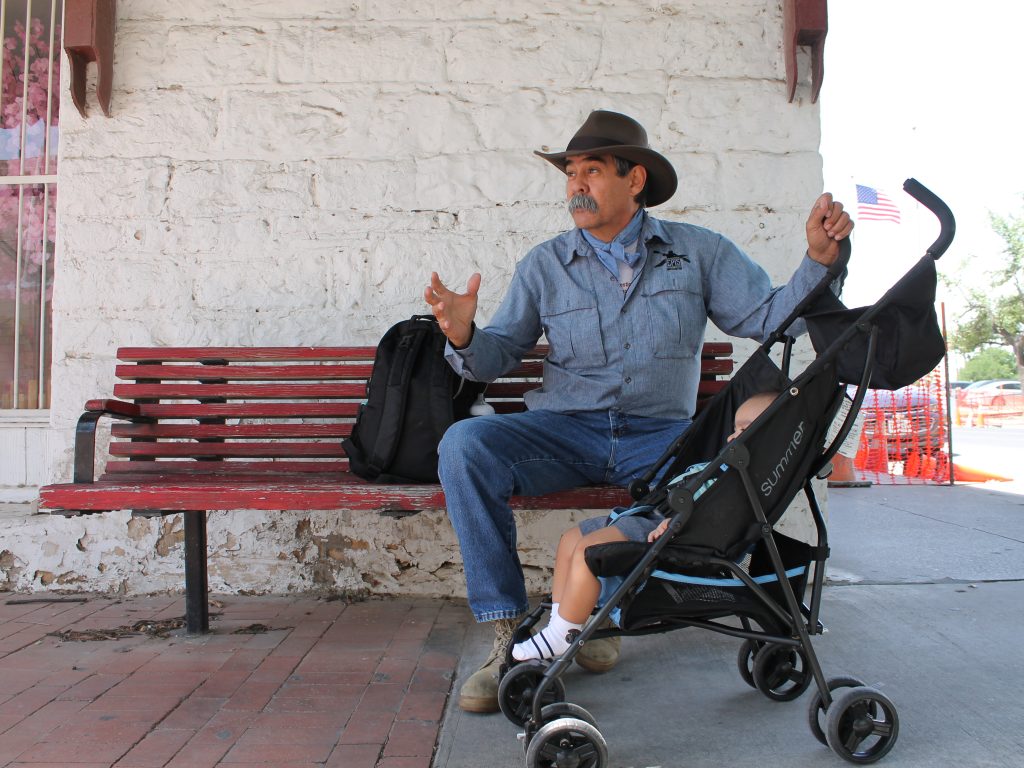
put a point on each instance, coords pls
(905, 435)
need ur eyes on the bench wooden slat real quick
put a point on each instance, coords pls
(529, 369)
(295, 493)
(152, 470)
(276, 449)
(240, 391)
(716, 349)
(316, 372)
(337, 409)
(310, 372)
(231, 431)
(715, 367)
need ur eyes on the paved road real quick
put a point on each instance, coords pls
(995, 449)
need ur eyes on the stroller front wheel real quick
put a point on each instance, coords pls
(861, 726)
(518, 687)
(816, 709)
(567, 743)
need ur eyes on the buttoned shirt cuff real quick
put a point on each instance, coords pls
(815, 269)
(461, 359)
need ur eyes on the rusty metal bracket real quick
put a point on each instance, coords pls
(805, 22)
(88, 37)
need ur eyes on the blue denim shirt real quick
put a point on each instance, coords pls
(639, 352)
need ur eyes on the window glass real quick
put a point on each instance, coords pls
(29, 119)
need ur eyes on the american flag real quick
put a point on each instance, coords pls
(873, 205)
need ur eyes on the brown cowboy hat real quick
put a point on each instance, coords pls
(614, 134)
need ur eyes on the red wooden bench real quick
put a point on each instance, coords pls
(219, 428)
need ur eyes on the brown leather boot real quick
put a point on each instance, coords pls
(600, 655)
(480, 691)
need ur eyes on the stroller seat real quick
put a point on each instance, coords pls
(677, 592)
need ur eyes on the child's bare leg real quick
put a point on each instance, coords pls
(578, 590)
(563, 561)
(582, 587)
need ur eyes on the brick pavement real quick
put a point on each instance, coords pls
(328, 683)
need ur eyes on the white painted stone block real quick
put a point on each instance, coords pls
(360, 53)
(149, 125)
(193, 54)
(213, 12)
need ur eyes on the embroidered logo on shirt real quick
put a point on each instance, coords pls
(675, 261)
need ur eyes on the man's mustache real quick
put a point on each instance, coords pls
(582, 202)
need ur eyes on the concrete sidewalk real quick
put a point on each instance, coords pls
(924, 603)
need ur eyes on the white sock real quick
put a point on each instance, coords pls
(551, 641)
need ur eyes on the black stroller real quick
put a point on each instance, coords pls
(721, 565)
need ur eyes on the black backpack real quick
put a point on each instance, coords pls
(412, 398)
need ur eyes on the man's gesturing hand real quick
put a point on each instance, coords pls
(454, 311)
(826, 226)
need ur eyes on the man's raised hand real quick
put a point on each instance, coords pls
(454, 311)
(826, 226)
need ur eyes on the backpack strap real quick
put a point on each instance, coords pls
(441, 385)
(395, 393)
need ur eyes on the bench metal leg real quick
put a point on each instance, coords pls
(197, 602)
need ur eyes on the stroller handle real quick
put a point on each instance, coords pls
(931, 201)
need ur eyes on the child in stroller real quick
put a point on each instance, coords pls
(575, 590)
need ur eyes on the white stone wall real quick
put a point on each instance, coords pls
(289, 173)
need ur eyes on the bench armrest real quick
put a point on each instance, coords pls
(115, 408)
(85, 432)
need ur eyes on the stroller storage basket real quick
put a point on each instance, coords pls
(674, 596)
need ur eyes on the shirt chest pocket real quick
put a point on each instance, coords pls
(676, 312)
(574, 334)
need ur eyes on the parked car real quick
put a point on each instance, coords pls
(995, 394)
(909, 420)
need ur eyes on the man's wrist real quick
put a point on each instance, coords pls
(469, 339)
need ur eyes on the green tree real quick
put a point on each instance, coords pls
(989, 363)
(995, 313)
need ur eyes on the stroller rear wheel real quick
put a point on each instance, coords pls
(861, 726)
(781, 672)
(745, 660)
(567, 743)
(519, 686)
(816, 710)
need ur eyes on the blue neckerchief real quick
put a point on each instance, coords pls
(611, 253)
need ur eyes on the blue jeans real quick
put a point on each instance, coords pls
(487, 459)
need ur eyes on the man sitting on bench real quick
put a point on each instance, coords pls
(623, 300)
